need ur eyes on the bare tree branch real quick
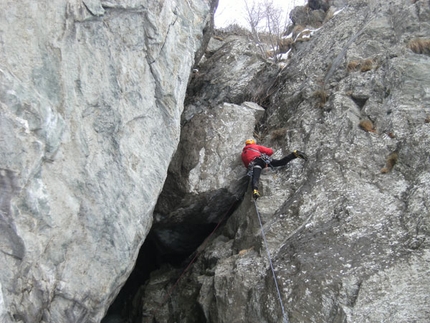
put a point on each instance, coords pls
(266, 21)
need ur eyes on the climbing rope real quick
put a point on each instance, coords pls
(284, 315)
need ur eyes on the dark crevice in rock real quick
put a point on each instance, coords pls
(173, 246)
(360, 101)
(146, 262)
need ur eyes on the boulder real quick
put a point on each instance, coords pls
(90, 119)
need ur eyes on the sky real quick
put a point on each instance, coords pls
(233, 11)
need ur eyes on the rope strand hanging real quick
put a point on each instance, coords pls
(284, 314)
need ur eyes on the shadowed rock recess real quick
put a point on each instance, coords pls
(117, 132)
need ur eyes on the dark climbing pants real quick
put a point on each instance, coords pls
(259, 164)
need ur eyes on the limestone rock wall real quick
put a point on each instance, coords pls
(91, 94)
(347, 230)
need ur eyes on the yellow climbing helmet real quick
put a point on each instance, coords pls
(250, 142)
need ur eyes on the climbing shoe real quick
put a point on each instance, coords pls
(301, 155)
(256, 194)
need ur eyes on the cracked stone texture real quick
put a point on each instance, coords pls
(349, 240)
(91, 94)
(205, 179)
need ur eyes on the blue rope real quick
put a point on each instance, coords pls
(285, 317)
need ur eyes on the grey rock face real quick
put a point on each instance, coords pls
(347, 230)
(231, 74)
(206, 177)
(91, 97)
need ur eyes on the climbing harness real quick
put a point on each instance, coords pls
(250, 169)
(265, 158)
(284, 314)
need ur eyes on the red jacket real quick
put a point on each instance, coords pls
(250, 152)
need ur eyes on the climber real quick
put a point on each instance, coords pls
(256, 157)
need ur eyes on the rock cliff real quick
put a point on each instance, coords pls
(91, 95)
(95, 143)
(347, 231)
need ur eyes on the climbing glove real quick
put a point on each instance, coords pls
(299, 154)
